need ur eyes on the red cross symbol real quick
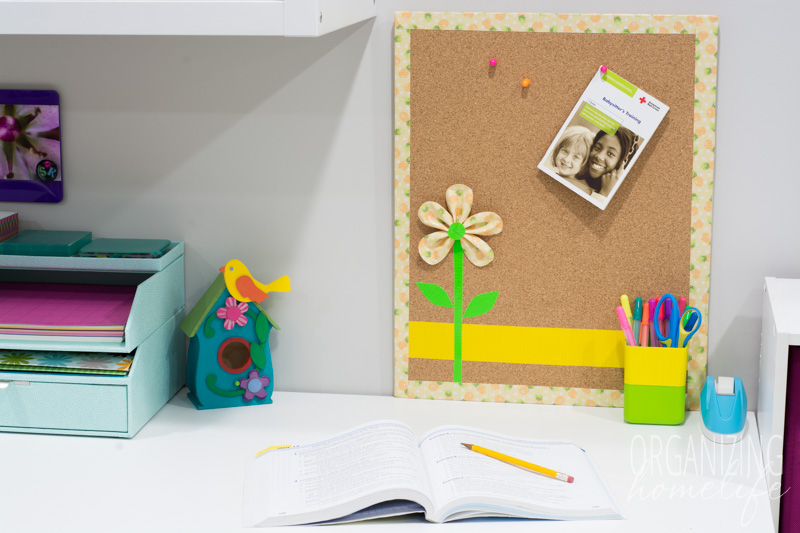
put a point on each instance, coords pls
(642, 100)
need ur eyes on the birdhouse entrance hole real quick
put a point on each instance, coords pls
(234, 355)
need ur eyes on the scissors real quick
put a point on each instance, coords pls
(680, 329)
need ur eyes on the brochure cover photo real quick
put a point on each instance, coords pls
(602, 138)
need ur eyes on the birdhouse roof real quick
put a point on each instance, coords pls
(204, 306)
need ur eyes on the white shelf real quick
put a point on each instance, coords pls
(301, 18)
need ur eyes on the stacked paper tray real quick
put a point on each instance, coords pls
(159, 292)
(108, 264)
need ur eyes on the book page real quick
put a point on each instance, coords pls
(467, 483)
(336, 477)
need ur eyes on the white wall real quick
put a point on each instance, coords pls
(279, 152)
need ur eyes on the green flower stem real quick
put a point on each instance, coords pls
(458, 307)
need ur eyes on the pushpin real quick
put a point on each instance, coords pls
(526, 82)
(492, 62)
(603, 69)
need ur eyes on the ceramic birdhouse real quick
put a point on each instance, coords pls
(229, 362)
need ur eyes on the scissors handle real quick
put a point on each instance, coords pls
(689, 325)
(672, 335)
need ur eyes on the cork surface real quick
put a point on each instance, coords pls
(560, 261)
(554, 376)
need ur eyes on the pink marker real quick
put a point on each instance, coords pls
(626, 326)
(681, 305)
(645, 325)
(492, 62)
(653, 339)
(661, 328)
(603, 69)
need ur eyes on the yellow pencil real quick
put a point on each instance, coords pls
(519, 462)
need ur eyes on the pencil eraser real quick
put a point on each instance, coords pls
(570, 479)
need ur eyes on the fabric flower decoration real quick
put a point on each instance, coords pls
(233, 313)
(254, 386)
(456, 225)
(458, 231)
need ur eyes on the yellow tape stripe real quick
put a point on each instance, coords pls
(665, 367)
(521, 345)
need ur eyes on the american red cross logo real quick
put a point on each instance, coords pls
(642, 100)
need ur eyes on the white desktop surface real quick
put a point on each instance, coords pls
(184, 470)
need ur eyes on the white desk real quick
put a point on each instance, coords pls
(184, 470)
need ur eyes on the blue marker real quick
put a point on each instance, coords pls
(637, 318)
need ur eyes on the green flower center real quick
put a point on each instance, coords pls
(456, 231)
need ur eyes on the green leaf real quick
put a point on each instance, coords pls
(435, 294)
(257, 355)
(481, 304)
(208, 331)
(211, 383)
(262, 327)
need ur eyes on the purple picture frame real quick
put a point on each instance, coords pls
(31, 167)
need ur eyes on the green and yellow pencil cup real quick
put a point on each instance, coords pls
(655, 385)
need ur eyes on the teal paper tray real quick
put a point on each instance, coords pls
(159, 295)
(97, 405)
(106, 264)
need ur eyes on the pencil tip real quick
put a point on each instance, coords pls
(467, 446)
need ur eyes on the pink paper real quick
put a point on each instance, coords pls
(62, 305)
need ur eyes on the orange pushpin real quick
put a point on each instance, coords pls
(526, 82)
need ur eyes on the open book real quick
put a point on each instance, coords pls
(381, 469)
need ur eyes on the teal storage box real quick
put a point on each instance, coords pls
(46, 243)
(110, 406)
(101, 405)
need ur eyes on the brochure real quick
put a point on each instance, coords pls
(603, 137)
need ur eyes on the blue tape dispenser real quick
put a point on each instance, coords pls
(723, 404)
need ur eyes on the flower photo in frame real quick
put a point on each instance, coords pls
(30, 138)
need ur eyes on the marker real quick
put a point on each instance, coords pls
(626, 326)
(492, 62)
(690, 321)
(526, 82)
(645, 329)
(667, 313)
(653, 339)
(681, 305)
(626, 305)
(637, 319)
(661, 327)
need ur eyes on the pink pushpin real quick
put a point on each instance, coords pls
(492, 62)
(603, 69)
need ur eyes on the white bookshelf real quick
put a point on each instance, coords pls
(779, 331)
(290, 18)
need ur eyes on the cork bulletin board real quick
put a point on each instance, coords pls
(538, 321)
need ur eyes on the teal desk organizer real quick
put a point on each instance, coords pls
(102, 405)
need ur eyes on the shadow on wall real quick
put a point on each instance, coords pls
(729, 356)
(147, 112)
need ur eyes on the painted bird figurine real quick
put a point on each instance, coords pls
(245, 288)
